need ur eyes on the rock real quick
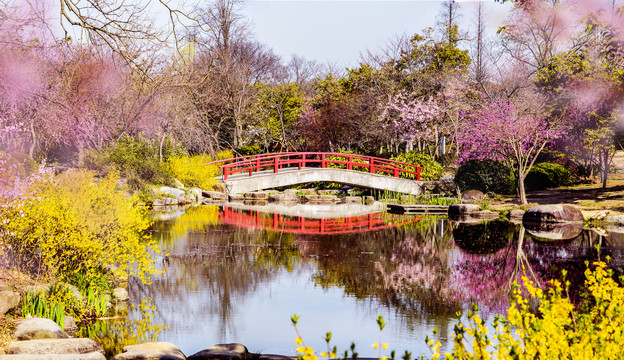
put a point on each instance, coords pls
(554, 231)
(615, 219)
(291, 192)
(69, 325)
(350, 200)
(369, 200)
(216, 355)
(88, 356)
(459, 210)
(151, 351)
(214, 195)
(232, 347)
(472, 195)
(4, 286)
(8, 301)
(318, 199)
(170, 201)
(285, 197)
(121, 294)
(256, 195)
(197, 193)
(276, 357)
(553, 214)
(329, 192)
(256, 202)
(236, 197)
(178, 184)
(54, 346)
(516, 214)
(38, 328)
(208, 201)
(172, 192)
(484, 214)
(158, 202)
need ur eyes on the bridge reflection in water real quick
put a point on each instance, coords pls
(302, 225)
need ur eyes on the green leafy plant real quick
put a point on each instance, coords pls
(432, 170)
(486, 176)
(37, 304)
(548, 175)
(136, 160)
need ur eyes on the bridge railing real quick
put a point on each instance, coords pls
(276, 161)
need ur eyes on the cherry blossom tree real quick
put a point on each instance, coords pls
(497, 131)
(414, 118)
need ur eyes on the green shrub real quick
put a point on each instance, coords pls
(192, 172)
(247, 150)
(432, 170)
(547, 175)
(486, 176)
(136, 159)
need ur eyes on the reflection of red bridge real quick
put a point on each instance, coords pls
(302, 225)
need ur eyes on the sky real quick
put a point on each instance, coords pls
(338, 32)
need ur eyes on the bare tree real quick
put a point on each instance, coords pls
(479, 60)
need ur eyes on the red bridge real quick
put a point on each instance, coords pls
(301, 225)
(266, 171)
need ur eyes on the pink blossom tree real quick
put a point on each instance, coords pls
(415, 119)
(497, 131)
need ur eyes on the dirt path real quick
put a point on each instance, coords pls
(590, 198)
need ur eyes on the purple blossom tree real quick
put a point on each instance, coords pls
(497, 131)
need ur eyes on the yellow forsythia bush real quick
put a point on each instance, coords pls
(557, 330)
(72, 223)
(191, 171)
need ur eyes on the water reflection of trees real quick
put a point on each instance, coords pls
(404, 268)
(487, 278)
(210, 269)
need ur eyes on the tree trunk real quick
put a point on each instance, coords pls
(605, 169)
(521, 189)
(160, 148)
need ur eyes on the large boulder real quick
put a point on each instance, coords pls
(38, 328)
(151, 351)
(8, 301)
(516, 215)
(236, 197)
(472, 195)
(232, 351)
(553, 214)
(197, 193)
(54, 346)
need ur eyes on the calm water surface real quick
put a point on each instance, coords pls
(239, 275)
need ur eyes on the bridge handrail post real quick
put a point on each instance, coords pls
(323, 163)
(275, 165)
(418, 173)
(302, 163)
(257, 164)
(371, 166)
(225, 173)
(396, 172)
(350, 163)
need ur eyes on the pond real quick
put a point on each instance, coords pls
(238, 274)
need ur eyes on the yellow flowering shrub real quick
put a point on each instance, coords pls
(72, 223)
(191, 171)
(557, 330)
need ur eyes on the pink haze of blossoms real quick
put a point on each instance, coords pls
(414, 118)
(496, 131)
